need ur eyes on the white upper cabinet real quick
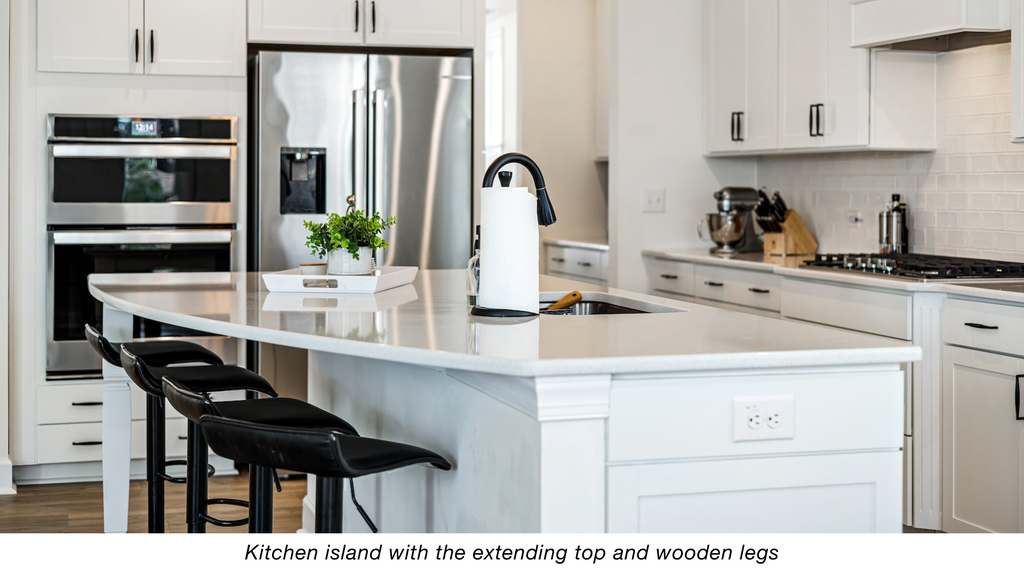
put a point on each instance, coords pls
(409, 23)
(741, 75)
(90, 36)
(1017, 72)
(195, 37)
(330, 22)
(170, 37)
(881, 22)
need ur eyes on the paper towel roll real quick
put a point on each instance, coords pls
(509, 250)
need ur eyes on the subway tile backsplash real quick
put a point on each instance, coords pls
(965, 199)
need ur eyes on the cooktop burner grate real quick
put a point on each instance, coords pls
(920, 266)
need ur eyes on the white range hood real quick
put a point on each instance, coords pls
(884, 22)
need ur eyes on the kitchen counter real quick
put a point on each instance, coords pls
(568, 423)
(601, 245)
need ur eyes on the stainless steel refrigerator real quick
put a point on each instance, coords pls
(395, 132)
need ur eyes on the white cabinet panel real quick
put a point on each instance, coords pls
(872, 311)
(803, 66)
(844, 119)
(1017, 72)
(981, 443)
(103, 36)
(880, 22)
(195, 37)
(740, 287)
(442, 23)
(672, 276)
(64, 404)
(983, 325)
(307, 22)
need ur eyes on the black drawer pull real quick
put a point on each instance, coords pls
(182, 437)
(713, 284)
(759, 290)
(87, 403)
(980, 326)
(584, 264)
(1016, 397)
(670, 276)
(88, 443)
(559, 260)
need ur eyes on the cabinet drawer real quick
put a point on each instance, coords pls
(870, 311)
(672, 276)
(577, 262)
(983, 325)
(66, 404)
(742, 287)
(557, 260)
(58, 443)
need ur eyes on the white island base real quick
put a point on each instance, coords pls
(636, 453)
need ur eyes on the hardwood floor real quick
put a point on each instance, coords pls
(79, 507)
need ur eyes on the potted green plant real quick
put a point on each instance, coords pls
(348, 241)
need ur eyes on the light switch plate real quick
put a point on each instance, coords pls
(654, 200)
(763, 418)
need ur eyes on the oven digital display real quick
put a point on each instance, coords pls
(145, 128)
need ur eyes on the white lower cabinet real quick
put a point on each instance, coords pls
(983, 440)
(573, 263)
(740, 287)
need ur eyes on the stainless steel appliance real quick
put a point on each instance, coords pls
(134, 194)
(395, 132)
(919, 267)
(732, 227)
(893, 232)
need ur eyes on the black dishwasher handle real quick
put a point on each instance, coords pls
(980, 326)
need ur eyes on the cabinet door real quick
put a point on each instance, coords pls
(307, 22)
(445, 23)
(195, 37)
(981, 442)
(725, 70)
(760, 126)
(1016, 73)
(845, 114)
(803, 69)
(103, 36)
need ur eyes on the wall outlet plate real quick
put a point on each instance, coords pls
(853, 218)
(654, 200)
(763, 418)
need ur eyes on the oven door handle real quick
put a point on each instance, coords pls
(143, 237)
(142, 151)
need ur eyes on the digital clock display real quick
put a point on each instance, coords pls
(144, 128)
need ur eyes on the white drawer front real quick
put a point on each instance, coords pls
(672, 276)
(58, 443)
(557, 260)
(983, 325)
(66, 404)
(742, 287)
(875, 312)
(587, 263)
(694, 417)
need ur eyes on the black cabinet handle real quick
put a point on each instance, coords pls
(713, 284)
(87, 403)
(981, 326)
(136, 44)
(739, 126)
(182, 437)
(759, 290)
(1016, 397)
(152, 46)
(559, 260)
(89, 443)
(732, 127)
(373, 17)
(357, 15)
(817, 120)
(810, 120)
(584, 264)
(670, 276)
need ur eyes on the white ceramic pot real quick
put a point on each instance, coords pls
(342, 263)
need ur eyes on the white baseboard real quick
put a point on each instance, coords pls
(7, 477)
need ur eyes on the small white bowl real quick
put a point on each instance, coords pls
(313, 269)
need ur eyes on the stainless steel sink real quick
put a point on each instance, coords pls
(591, 308)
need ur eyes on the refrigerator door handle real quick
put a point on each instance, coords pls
(378, 193)
(359, 184)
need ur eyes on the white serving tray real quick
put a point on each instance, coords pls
(303, 302)
(383, 278)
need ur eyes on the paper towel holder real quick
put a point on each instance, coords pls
(545, 212)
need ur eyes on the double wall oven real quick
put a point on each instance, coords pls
(134, 194)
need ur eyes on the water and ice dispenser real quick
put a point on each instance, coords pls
(303, 181)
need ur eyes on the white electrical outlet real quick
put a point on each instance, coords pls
(763, 418)
(852, 218)
(654, 200)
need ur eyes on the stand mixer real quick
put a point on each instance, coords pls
(732, 227)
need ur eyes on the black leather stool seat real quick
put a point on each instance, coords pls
(320, 452)
(157, 353)
(195, 378)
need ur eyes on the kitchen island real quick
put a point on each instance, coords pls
(676, 418)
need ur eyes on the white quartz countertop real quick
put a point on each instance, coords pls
(427, 323)
(585, 244)
(998, 290)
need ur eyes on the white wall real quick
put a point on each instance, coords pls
(557, 81)
(656, 133)
(6, 486)
(966, 199)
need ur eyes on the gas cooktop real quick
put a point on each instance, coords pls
(921, 267)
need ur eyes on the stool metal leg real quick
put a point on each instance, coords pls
(261, 499)
(329, 501)
(156, 451)
(197, 487)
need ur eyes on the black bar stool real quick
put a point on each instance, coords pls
(274, 411)
(206, 378)
(330, 455)
(157, 353)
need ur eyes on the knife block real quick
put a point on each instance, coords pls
(795, 238)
